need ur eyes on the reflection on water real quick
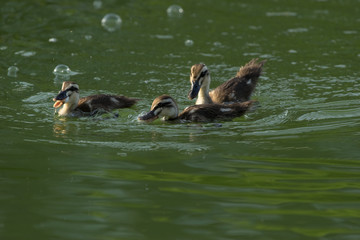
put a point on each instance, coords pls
(62, 127)
(12, 71)
(229, 198)
(148, 146)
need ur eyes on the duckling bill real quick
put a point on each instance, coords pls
(165, 107)
(69, 103)
(237, 89)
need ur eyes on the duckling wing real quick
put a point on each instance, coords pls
(239, 88)
(104, 102)
(199, 113)
(212, 112)
(251, 70)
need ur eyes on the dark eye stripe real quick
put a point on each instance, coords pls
(161, 105)
(203, 74)
(72, 89)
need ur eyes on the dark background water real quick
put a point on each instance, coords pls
(288, 170)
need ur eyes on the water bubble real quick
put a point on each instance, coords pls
(97, 4)
(175, 11)
(111, 22)
(12, 71)
(62, 72)
(88, 37)
(62, 69)
(189, 42)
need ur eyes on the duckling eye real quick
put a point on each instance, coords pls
(203, 73)
(73, 89)
(161, 105)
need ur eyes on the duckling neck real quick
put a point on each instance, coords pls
(67, 109)
(203, 96)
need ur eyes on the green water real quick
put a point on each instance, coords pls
(288, 170)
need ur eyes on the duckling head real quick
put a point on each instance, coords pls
(69, 95)
(199, 78)
(163, 107)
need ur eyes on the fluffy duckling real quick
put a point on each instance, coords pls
(73, 105)
(237, 89)
(166, 108)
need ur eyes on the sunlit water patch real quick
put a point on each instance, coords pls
(297, 30)
(281, 14)
(22, 86)
(26, 53)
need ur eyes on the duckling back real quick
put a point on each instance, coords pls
(104, 102)
(212, 112)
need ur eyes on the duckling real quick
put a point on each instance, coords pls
(73, 105)
(237, 89)
(166, 108)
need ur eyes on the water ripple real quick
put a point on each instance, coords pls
(149, 146)
(330, 114)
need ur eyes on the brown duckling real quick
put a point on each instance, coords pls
(237, 89)
(166, 108)
(73, 105)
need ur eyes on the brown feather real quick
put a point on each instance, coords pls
(104, 102)
(239, 88)
(252, 69)
(212, 112)
(66, 84)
